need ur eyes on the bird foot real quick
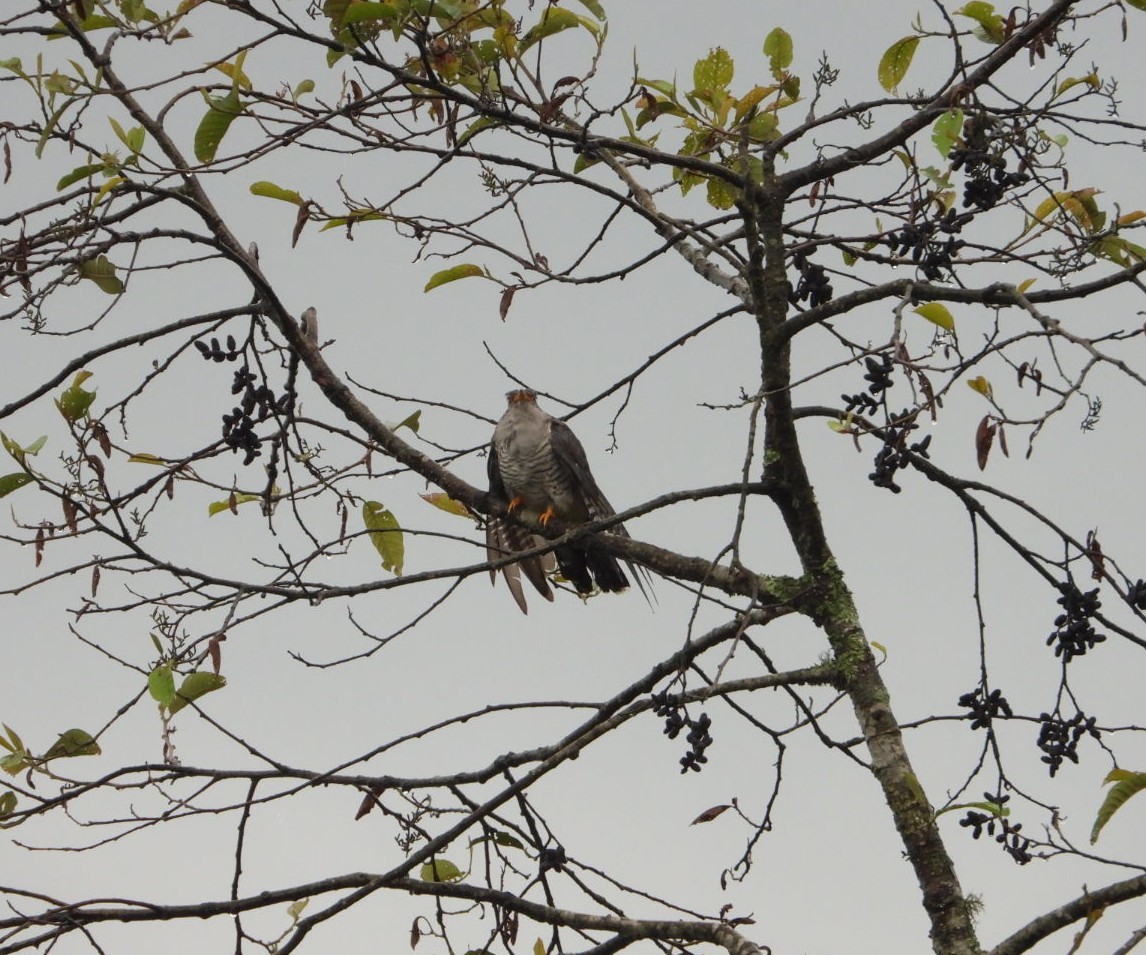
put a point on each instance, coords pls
(546, 516)
(514, 504)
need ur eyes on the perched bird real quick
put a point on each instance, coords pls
(538, 468)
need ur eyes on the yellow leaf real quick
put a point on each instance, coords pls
(981, 385)
(938, 314)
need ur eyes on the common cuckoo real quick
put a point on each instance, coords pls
(538, 468)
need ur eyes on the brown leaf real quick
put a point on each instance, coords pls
(929, 394)
(95, 580)
(1095, 556)
(709, 814)
(39, 545)
(300, 222)
(984, 436)
(1003, 441)
(233, 503)
(415, 933)
(356, 89)
(99, 432)
(506, 300)
(20, 260)
(169, 488)
(96, 464)
(368, 801)
(70, 513)
(216, 652)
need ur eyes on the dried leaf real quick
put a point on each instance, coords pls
(506, 301)
(709, 814)
(984, 437)
(214, 650)
(1095, 556)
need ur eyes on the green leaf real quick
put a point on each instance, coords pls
(938, 314)
(503, 839)
(161, 685)
(721, 193)
(486, 122)
(446, 503)
(441, 870)
(133, 138)
(991, 29)
(13, 744)
(76, 400)
(13, 482)
(1137, 4)
(8, 803)
(778, 49)
(594, 7)
(217, 507)
(366, 10)
(452, 274)
(413, 422)
(385, 535)
(270, 191)
(896, 60)
(947, 130)
(221, 112)
(553, 20)
(1126, 784)
(144, 458)
(14, 763)
(80, 172)
(195, 685)
(714, 72)
(102, 272)
(306, 86)
(1091, 80)
(74, 742)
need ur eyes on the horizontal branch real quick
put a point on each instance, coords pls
(1089, 903)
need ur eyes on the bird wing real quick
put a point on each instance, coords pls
(571, 453)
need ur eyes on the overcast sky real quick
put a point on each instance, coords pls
(830, 878)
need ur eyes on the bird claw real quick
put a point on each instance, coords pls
(546, 516)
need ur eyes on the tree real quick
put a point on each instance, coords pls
(927, 252)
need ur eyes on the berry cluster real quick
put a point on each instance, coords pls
(878, 377)
(1074, 634)
(1059, 738)
(551, 859)
(1016, 845)
(987, 176)
(215, 352)
(814, 286)
(984, 709)
(699, 738)
(257, 404)
(895, 452)
(931, 244)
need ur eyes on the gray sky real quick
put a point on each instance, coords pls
(830, 877)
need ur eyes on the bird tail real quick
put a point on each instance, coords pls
(503, 539)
